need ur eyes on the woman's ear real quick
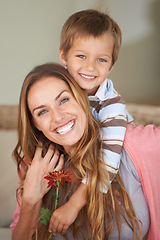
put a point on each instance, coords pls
(62, 57)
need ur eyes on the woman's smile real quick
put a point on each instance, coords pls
(67, 127)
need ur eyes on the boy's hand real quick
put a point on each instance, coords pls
(65, 215)
(62, 218)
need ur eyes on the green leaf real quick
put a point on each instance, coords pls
(50, 236)
(45, 219)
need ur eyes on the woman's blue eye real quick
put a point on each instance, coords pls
(102, 60)
(41, 113)
(64, 100)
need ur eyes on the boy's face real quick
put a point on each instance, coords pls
(89, 60)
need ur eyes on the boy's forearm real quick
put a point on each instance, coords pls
(79, 197)
(27, 223)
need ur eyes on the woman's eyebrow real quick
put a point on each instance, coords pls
(39, 107)
(58, 96)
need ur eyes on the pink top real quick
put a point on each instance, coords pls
(143, 146)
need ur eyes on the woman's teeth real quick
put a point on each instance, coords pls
(66, 128)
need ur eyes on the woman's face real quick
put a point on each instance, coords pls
(56, 112)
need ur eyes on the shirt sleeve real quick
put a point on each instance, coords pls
(112, 115)
(113, 119)
(110, 111)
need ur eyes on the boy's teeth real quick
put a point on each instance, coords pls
(66, 128)
(88, 77)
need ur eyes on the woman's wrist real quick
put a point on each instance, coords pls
(29, 203)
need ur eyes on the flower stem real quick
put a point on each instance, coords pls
(56, 197)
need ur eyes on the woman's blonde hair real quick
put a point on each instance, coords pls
(86, 160)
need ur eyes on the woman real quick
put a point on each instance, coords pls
(52, 109)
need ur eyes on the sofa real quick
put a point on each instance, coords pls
(143, 114)
(8, 182)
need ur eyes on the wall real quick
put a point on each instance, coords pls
(30, 33)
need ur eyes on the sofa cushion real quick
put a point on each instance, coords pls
(8, 177)
(5, 234)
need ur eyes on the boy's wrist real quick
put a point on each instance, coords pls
(78, 199)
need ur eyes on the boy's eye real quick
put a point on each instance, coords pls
(41, 113)
(81, 56)
(102, 60)
(64, 100)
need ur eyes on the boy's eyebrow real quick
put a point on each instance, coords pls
(58, 96)
(83, 52)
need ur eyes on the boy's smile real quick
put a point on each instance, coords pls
(89, 60)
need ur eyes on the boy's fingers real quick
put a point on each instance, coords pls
(59, 228)
(53, 228)
(65, 227)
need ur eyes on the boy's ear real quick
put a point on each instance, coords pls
(61, 56)
(111, 68)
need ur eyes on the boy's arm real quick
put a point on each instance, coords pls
(113, 119)
(112, 115)
(65, 215)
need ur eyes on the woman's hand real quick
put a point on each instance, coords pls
(35, 186)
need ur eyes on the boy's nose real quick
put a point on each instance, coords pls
(90, 65)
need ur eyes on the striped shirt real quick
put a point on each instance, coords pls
(109, 109)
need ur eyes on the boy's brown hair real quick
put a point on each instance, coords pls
(90, 23)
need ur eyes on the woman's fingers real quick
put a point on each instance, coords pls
(47, 157)
(38, 154)
(52, 159)
(60, 163)
(50, 152)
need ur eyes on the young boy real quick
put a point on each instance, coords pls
(89, 47)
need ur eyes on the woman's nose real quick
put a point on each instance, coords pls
(57, 115)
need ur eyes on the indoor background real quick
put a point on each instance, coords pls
(29, 36)
(30, 32)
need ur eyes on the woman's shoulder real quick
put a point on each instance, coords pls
(143, 138)
(149, 132)
(143, 147)
(142, 144)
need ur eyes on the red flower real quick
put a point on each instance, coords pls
(57, 177)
